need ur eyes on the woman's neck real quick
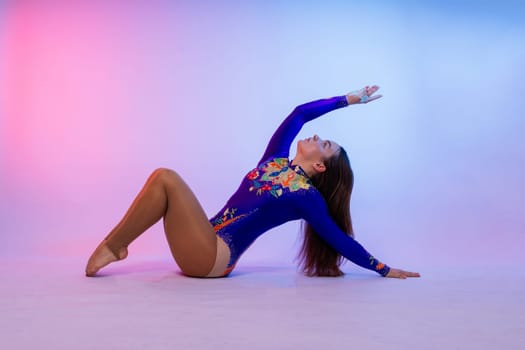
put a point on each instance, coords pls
(308, 169)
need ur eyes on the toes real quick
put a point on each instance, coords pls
(91, 268)
(90, 272)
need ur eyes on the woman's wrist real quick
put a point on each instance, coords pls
(352, 99)
(384, 271)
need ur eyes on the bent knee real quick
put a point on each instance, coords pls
(165, 175)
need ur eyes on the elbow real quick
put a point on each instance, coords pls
(300, 111)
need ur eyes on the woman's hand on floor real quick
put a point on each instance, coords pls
(398, 273)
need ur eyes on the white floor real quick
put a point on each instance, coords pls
(149, 305)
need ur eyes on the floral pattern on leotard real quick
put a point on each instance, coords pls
(276, 175)
(228, 216)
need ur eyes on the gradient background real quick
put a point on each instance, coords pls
(95, 95)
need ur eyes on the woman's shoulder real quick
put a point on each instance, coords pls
(274, 160)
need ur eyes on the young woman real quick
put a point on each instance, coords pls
(315, 186)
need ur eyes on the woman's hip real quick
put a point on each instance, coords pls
(222, 258)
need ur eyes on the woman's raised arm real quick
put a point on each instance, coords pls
(279, 145)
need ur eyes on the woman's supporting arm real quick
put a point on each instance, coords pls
(314, 210)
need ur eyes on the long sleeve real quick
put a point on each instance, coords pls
(315, 211)
(279, 145)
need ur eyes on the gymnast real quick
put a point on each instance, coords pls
(315, 186)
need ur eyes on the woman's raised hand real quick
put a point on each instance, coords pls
(398, 273)
(363, 95)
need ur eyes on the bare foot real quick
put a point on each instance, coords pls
(103, 256)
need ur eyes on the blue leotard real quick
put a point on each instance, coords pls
(276, 192)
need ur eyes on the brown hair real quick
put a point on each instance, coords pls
(316, 257)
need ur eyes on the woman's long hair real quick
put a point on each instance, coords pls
(335, 184)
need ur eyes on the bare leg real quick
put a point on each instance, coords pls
(190, 235)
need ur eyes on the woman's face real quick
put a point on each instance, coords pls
(316, 149)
